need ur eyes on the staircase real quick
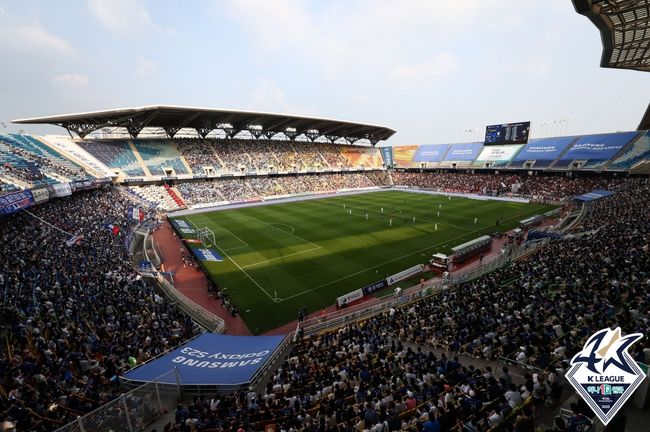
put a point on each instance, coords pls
(175, 196)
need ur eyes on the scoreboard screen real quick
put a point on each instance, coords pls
(510, 133)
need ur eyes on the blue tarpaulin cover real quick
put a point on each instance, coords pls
(210, 359)
(593, 195)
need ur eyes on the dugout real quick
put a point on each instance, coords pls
(468, 249)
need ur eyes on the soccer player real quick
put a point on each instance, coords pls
(390, 222)
(475, 221)
(382, 209)
(438, 213)
(366, 216)
(413, 219)
(435, 227)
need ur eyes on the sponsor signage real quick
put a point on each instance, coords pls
(40, 195)
(210, 359)
(207, 254)
(404, 274)
(349, 297)
(374, 287)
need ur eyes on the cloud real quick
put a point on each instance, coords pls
(145, 68)
(441, 65)
(71, 82)
(267, 95)
(122, 17)
(34, 38)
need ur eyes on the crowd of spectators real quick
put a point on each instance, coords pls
(198, 153)
(541, 187)
(236, 189)
(75, 314)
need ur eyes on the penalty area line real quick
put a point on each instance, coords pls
(239, 267)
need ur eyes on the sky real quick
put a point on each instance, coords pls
(432, 70)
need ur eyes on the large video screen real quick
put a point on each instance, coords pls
(509, 133)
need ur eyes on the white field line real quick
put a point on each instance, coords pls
(282, 257)
(233, 234)
(238, 266)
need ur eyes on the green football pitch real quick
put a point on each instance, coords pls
(281, 257)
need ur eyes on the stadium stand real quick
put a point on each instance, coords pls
(548, 188)
(45, 156)
(639, 151)
(159, 155)
(114, 154)
(159, 196)
(74, 316)
(22, 167)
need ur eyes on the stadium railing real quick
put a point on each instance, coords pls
(131, 411)
(201, 316)
(431, 288)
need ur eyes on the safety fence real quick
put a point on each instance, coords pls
(132, 411)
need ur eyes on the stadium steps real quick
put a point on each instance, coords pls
(216, 155)
(14, 181)
(176, 196)
(182, 158)
(139, 158)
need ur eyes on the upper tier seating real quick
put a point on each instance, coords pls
(159, 154)
(114, 154)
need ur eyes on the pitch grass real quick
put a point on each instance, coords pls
(309, 253)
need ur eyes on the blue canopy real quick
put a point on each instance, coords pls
(210, 359)
(593, 195)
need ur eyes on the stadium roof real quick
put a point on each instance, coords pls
(205, 120)
(624, 27)
(645, 120)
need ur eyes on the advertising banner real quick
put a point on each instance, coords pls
(210, 359)
(543, 149)
(40, 195)
(207, 254)
(183, 226)
(403, 155)
(597, 148)
(463, 152)
(404, 274)
(349, 297)
(498, 153)
(387, 154)
(431, 153)
(60, 190)
(14, 201)
(374, 287)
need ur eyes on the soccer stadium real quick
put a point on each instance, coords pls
(187, 268)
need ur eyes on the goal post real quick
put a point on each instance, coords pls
(205, 234)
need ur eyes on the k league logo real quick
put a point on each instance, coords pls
(604, 374)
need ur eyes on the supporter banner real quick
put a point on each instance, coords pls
(373, 287)
(543, 149)
(183, 226)
(387, 154)
(598, 147)
(14, 201)
(193, 241)
(210, 359)
(498, 153)
(82, 185)
(431, 153)
(207, 254)
(593, 195)
(60, 190)
(463, 152)
(403, 155)
(404, 274)
(349, 297)
(40, 195)
(103, 180)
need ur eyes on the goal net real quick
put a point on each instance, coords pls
(206, 235)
